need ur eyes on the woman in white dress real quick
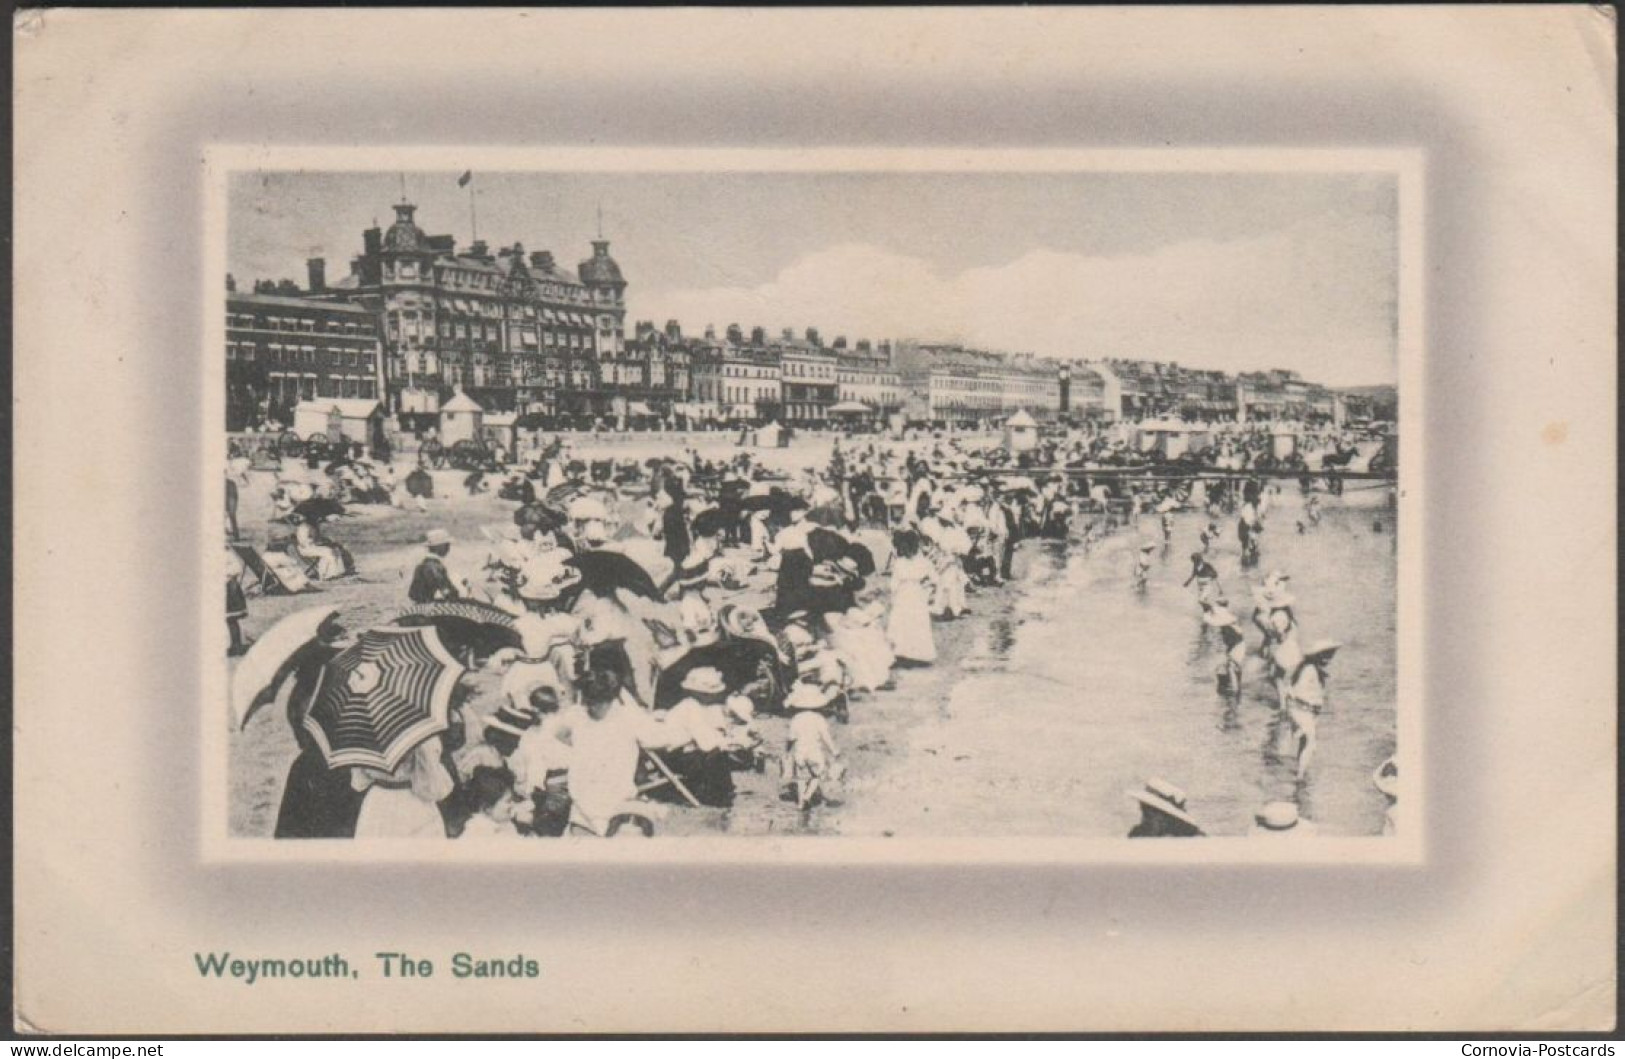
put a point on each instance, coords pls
(867, 656)
(404, 803)
(909, 625)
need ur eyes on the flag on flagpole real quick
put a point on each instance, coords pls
(462, 181)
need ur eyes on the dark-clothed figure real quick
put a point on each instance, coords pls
(431, 582)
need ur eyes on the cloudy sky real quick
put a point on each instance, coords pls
(1231, 271)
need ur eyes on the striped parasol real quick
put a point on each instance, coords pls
(381, 697)
(469, 629)
(467, 609)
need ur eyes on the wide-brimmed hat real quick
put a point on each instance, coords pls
(1278, 816)
(436, 537)
(705, 681)
(1274, 600)
(1165, 798)
(1321, 650)
(1386, 778)
(809, 696)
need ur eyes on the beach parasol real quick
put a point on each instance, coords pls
(825, 545)
(263, 669)
(381, 697)
(318, 508)
(603, 571)
(465, 625)
(560, 495)
(543, 516)
(740, 661)
(861, 555)
(709, 523)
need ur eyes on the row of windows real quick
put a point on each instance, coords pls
(801, 370)
(286, 355)
(284, 389)
(300, 324)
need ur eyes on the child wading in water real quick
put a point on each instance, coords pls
(1219, 616)
(1142, 565)
(1306, 698)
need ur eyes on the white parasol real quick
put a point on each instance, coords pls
(253, 681)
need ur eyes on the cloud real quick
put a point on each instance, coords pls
(1318, 298)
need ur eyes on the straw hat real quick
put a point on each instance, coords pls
(1321, 649)
(1386, 778)
(436, 537)
(1278, 816)
(704, 681)
(808, 696)
(1165, 798)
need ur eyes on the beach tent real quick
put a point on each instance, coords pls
(769, 436)
(461, 419)
(501, 428)
(1021, 432)
(1173, 438)
(340, 419)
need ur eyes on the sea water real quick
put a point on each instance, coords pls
(1081, 687)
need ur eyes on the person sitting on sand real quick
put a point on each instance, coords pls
(431, 583)
(605, 748)
(496, 810)
(708, 736)
(331, 560)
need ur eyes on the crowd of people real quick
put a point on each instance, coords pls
(640, 621)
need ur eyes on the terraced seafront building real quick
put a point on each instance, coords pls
(514, 330)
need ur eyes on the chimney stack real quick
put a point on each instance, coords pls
(674, 330)
(372, 240)
(735, 335)
(758, 336)
(789, 334)
(812, 336)
(542, 260)
(316, 267)
(231, 283)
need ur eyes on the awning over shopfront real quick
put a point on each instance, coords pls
(850, 408)
(639, 408)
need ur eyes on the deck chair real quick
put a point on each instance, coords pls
(270, 574)
(663, 777)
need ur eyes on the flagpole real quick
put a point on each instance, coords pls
(473, 215)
